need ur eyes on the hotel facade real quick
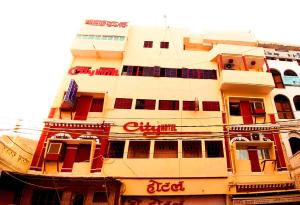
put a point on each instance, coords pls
(149, 115)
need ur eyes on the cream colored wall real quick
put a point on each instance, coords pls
(12, 157)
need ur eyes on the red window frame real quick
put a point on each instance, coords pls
(123, 103)
(145, 104)
(164, 44)
(189, 105)
(168, 105)
(211, 106)
(148, 44)
(97, 105)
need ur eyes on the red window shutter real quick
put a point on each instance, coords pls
(83, 107)
(97, 105)
(189, 105)
(150, 104)
(246, 112)
(211, 106)
(83, 153)
(123, 103)
(253, 156)
(69, 158)
(164, 105)
(156, 71)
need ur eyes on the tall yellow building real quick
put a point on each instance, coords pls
(149, 115)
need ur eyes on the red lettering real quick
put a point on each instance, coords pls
(165, 187)
(134, 126)
(72, 71)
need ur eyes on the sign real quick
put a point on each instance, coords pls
(267, 200)
(291, 80)
(70, 96)
(87, 70)
(153, 201)
(106, 23)
(147, 128)
(156, 186)
(100, 37)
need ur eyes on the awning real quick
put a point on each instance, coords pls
(275, 199)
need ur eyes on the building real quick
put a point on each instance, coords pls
(149, 115)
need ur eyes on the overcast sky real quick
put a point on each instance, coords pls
(36, 36)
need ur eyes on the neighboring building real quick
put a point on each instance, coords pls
(149, 115)
(16, 153)
(284, 61)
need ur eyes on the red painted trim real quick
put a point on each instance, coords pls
(268, 68)
(253, 156)
(52, 112)
(280, 155)
(97, 160)
(39, 150)
(227, 143)
(82, 108)
(245, 64)
(272, 118)
(69, 158)
(264, 187)
(221, 62)
(246, 112)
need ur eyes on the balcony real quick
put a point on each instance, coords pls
(100, 40)
(248, 81)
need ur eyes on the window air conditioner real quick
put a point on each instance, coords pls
(257, 137)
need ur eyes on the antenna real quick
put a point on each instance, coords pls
(166, 18)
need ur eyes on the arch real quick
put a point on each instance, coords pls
(295, 144)
(239, 138)
(277, 78)
(283, 107)
(296, 100)
(62, 135)
(290, 73)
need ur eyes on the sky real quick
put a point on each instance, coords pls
(36, 36)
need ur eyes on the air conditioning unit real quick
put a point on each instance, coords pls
(257, 137)
(252, 63)
(228, 66)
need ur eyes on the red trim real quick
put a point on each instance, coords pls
(39, 150)
(253, 156)
(272, 118)
(227, 143)
(245, 64)
(264, 187)
(268, 68)
(279, 156)
(52, 112)
(96, 160)
(221, 62)
(83, 107)
(69, 158)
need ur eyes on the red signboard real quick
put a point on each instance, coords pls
(147, 128)
(106, 23)
(87, 70)
(156, 186)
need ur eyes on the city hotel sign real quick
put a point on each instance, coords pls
(146, 128)
(155, 186)
(88, 71)
(106, 23)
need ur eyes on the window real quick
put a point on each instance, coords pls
(242, 154)
(45, 197)
(165, 149)
(234, 108)
(100, 197)
(257, 107)
(139, 149)
(171, 72)
(297, 102)
(189, 105)
(116, 149)
(145, 104)
(168, 105)
(214, 149)
(290, 73)
(97, 105)
(263, 153)
(123, 103)
(191, 149)
(83, 153)
(54, 148)
(148, 44)
(148, 71)
(211, 106)
(283, 107)
(164, 44)
(295, 144)
(277, 79)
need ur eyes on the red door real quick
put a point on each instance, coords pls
(83, 107)
(246, 112)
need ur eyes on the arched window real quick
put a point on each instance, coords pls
(283, 107)
(277, 78)
(295, 144)
(297, 102)
(290, 73)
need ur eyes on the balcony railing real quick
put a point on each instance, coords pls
(291, 80)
